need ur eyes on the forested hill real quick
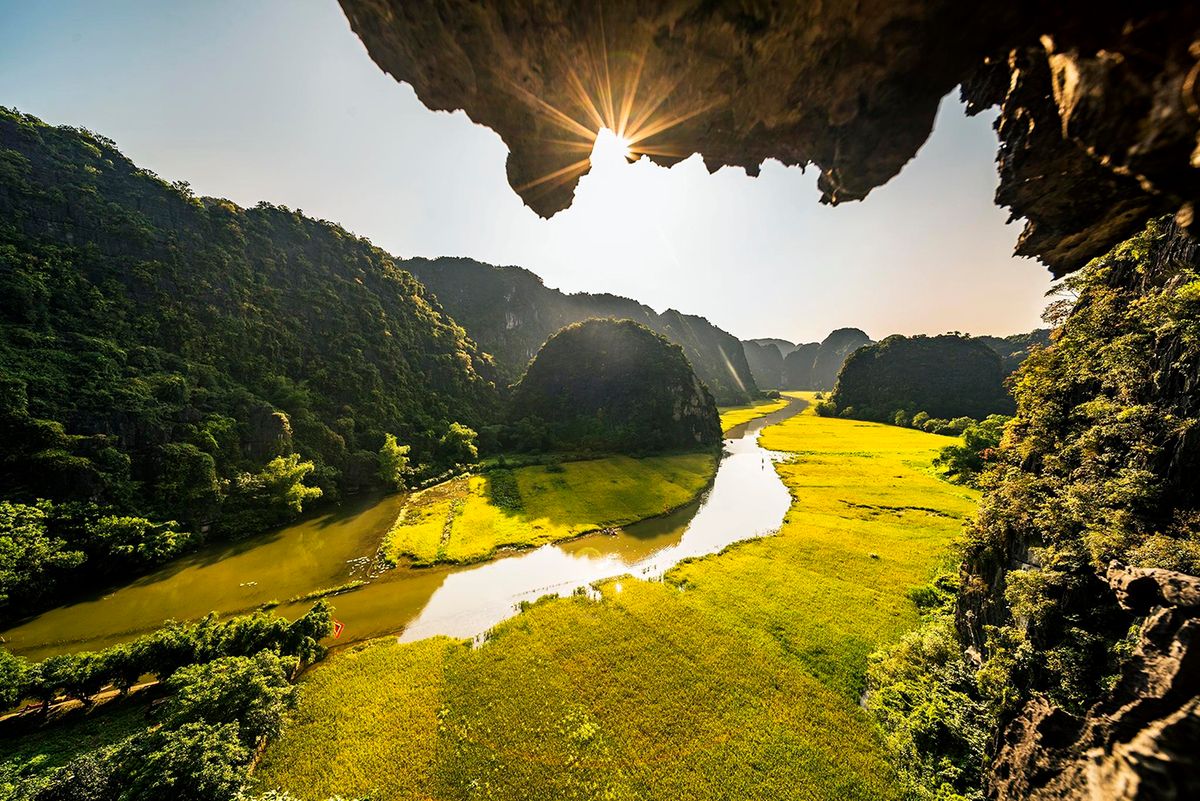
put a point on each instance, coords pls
(945, 376)
(159, 351)
(510, 313)
(614, 385)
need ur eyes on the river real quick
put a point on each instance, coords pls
(746, 500)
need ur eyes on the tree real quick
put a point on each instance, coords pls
(124, 664)
(29, 555)
(87, 777)
(186, 481)
(83, 676)
(195, 762)
(963, 463)
(44, 680)
(12, 679)
(393, 463)
(253, 692)
(272, 496)
(136, 539)
(457, 445)
(283, 479)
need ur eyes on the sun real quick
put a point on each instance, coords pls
(611, 148)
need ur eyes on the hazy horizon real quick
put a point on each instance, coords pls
(279, 101)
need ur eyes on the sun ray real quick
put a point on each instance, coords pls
(630, 95)
(620, 94)
(561, 175)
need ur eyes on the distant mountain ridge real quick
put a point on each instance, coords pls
(509, 313)
(779, 364)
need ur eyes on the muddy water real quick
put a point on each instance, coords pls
(746, 500)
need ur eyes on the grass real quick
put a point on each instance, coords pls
(732, 416)
(469, 518)
(737, 677)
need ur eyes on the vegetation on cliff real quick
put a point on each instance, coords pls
(173, 365)
(1097, 465)
(944, 376)
(612, 386)
(510, 313)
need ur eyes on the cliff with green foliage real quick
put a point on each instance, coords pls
(165, 357)
(1068, 653)
(614, 386)
(945, 376)
(510, 313)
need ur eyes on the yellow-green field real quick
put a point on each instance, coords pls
(470, 517)
(736, 415)
(737, 678)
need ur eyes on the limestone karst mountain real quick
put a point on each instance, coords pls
(615, 385)
(510, 313)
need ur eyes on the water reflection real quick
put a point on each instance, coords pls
(746, 500)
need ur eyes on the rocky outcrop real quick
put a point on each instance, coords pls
(1142, 741)
(1100, 103)
(785, 347)
(945, 376)
(832, 354)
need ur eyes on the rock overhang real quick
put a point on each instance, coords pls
(1099, 104)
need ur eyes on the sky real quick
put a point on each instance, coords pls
(278, 100)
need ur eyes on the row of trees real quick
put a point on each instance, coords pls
(82, 675)
(230, 687)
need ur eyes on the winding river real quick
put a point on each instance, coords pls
(746, 500)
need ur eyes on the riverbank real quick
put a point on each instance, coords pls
(733, 416)
(339, 548)
(470, 518)
(737, 676)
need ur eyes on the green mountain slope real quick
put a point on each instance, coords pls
(158, 351)
(510, 313)
(614, 385)
(946, 376)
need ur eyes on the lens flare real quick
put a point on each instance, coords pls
(617, 107)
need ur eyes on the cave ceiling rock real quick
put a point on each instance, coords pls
(1099, 107)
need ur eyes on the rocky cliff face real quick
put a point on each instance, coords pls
(832, 354)
(766, 364)
(1100, 107)
(798, 366)
(1138, 742)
